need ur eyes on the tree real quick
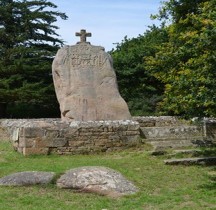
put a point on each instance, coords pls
(186, 63)
(28, 42)
(141, 90)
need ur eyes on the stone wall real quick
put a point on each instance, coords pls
(46, 136)
(174, 132)
(3, 134)
(169, 132)
(210, 130)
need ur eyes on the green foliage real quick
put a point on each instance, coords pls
(28, 42)
(34, 110)
(137, 86)
(186, 63)
(174, 10)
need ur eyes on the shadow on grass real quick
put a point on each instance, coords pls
(211, 185)
(206, 152)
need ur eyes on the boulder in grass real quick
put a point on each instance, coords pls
(27, 178)
(100, 180)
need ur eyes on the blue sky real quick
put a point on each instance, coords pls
(109, 21)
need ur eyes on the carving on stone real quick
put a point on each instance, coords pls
(85, 84)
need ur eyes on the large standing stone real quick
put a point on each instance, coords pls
(86, 85)
(96, 179)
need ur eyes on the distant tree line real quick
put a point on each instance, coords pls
(28, 42)
(169, 70)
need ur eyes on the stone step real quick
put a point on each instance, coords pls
(172, 132)
(173, 144)
(160, 121)
(178, 143)
(191, 152)
(192, 161)
(196, 152)
(186, 151)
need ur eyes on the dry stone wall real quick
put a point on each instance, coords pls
(53, 136)
(3, 134)
(210, 130)
(174, 132)
(45, 136)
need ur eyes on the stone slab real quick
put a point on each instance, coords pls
(27, 178)
(172, 132)
(192, 161)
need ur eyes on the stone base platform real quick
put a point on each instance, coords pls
(46, 136)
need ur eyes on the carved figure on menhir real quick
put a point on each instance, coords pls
(85, 83)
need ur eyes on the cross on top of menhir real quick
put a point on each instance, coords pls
(83, 34)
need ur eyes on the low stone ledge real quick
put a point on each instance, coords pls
(158, 121)
(3, 134)
(44, 136)
(33, 135)
(172, 132)
(192, 161)
(172, 143)
(210, 129)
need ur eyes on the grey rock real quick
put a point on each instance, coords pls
(158, 152)
(100, 180)
(27, 178)
(192, 161)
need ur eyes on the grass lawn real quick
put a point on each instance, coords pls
(161, 186)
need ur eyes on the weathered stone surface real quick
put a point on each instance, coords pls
(158, 151)
(161, 121)
(85, 84)
(210, 129)
(27, 178)
(3, 134)
(101, 180)
(192, 161)
(47, 136)
(174, 132)
(35, 151)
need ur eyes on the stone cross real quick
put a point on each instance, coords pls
(83, 34)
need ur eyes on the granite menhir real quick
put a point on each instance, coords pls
(85, 83)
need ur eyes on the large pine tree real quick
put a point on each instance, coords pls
(28, 42)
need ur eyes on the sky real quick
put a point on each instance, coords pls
(109, 21)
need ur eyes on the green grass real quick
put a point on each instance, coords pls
(161, 186)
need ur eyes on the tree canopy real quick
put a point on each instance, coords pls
(28, 42)
(168, 70)
(186, 63)
(141, 90)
